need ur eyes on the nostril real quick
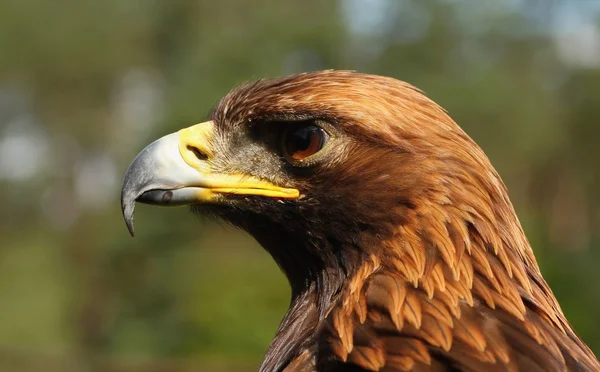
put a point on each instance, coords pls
(198, 153)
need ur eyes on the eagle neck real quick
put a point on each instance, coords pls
(317, 281)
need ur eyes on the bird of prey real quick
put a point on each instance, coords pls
(398, 238)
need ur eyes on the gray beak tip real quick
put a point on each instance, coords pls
(129, 223)
(128, 207)
(156, 176)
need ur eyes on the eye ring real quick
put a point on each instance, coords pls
(302, 141)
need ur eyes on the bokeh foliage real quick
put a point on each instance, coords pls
(84, 85)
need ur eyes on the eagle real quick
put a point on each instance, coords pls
(401, 246)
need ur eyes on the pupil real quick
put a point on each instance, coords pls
(301, 139)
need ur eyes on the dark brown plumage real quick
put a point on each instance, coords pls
(403, 250)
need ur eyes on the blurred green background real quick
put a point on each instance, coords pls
(86, 84)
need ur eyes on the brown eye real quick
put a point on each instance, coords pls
(301, 141)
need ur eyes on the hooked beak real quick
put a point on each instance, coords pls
(176, 170)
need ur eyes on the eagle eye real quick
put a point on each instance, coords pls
(301, 141)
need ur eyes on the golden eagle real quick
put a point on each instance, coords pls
(401, 246)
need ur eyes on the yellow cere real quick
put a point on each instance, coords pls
(197, 136)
